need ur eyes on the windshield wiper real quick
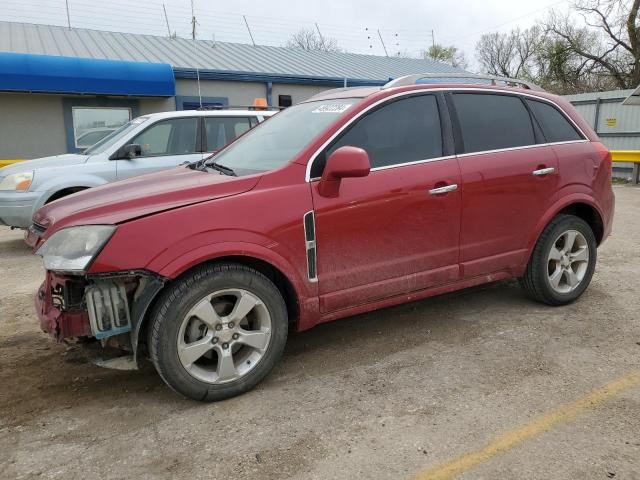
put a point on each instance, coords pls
(220, 168)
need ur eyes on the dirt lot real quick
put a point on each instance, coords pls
(379, 396)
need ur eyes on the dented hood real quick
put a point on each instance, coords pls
(140, 196)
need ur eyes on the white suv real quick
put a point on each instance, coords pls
(145, 144)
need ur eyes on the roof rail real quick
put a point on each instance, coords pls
(495, 80)
(238, 107)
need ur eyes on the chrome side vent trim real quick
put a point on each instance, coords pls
(310, 244)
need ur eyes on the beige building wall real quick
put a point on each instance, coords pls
(298, 93)
(244, 93)
(154, 105)
(238, 93)
(31, 126)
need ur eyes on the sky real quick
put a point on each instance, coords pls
(405, 25)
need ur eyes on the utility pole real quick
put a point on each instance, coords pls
(321, 37)
(433, 39)
(249, 30)
(66, 2)
(193, 22)
(166, 19)
(195, 50)
(383, 45)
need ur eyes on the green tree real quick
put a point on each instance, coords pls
(450, 55)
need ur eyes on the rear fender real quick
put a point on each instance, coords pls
(556, 208)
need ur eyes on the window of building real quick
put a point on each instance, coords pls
(222, 130)
(493, 122)
(177, 136)
(284, 101)
(403, 131)
(554, 125)
(92, 124)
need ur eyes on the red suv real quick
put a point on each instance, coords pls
(354, 200)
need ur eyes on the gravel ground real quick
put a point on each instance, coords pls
(383, 395)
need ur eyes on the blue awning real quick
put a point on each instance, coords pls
(51, 74)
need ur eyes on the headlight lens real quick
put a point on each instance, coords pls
(72, 249)
(17, 181)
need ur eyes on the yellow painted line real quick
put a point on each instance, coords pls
(631, 156)
(513, 438)
(4, 163)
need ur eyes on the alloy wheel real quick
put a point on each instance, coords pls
(224, 336)
(568, 261)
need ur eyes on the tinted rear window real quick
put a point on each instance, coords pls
(492, 122)
(555, 126)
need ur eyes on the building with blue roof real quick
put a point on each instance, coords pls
(58, 85)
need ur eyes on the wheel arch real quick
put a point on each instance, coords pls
(63, 192)
(291, 294)
(581, 206)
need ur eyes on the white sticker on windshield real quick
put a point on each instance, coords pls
(332, 108)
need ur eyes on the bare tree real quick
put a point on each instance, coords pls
(509, 54)
(309, 39)
(609, 43)
(450, 55)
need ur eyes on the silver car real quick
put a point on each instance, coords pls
(145, 144)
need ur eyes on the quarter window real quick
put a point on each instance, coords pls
(493, 122)
(222, 130)
(177, 136)
(406, 130)
(555, 127)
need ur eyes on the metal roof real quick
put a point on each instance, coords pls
(208, 55)
(606, 95)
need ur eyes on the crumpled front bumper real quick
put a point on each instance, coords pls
(63, 304)
(57, 319)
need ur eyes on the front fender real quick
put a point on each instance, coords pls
(171, 266)
(52, 186)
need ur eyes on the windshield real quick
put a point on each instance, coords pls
(282, 137)
(114, 136)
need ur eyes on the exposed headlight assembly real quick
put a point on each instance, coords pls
(72, 249)
(17, 181)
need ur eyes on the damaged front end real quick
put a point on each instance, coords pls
(103, 310)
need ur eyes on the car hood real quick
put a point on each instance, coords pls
(140, 196)
(54, 161)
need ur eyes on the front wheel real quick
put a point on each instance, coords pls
(562, 262)
(218, 331)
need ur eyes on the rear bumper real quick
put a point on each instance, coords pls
(16, 208)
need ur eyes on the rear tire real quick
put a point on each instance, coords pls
(218, 331)
(562, 262)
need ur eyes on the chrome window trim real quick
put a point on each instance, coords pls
(415, 162)
(433, 91)
(523, 147)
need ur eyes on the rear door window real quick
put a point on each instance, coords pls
(222, 130)
(403, 131)
(493, 122)
(555, 126)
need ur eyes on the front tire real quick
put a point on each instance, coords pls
(562, 262)
(218, 331)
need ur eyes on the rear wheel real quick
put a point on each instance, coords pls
(562, 262)
(218, 331)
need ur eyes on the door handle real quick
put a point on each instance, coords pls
(543, 171)
(445, 189)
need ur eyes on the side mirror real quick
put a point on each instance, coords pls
(130, 151)
(345, 162)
